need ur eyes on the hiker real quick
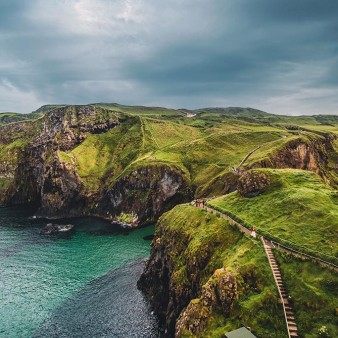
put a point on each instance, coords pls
(253, 232)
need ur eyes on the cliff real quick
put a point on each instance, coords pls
(37, 165)
(205, 278)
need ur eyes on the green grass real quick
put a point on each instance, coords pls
(102, 157)
(297, 207)
(205, 147)
(201, 242)
(314, 293)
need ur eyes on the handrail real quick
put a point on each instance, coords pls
(303, 254)
(278, 288)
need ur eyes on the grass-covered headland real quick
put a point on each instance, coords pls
(132, 164)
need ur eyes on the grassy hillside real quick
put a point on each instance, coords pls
(297, 207)
(193, 236)
(100, 158)
(203, 152)
(206, 146)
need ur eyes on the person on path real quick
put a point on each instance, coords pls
(253, 232)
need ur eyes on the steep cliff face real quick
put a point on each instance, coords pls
(147, 192)
(33, 168)
(36, 172)
(202, 271)
(218, 294)
(310, 153)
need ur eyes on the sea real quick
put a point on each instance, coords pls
(80, 284)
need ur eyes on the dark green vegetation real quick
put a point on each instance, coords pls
(134, 163)
(314, 293)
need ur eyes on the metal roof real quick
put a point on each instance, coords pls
(240, 333)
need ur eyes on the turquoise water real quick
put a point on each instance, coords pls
(42, 277)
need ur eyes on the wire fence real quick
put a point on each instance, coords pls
(280, 242)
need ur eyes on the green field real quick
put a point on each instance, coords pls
(297, 207)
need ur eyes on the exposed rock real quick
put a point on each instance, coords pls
(147, 192)
(220, 185)
(312, 154)
(167, 298)
(219, 292)
(51, 229)
(252, 183)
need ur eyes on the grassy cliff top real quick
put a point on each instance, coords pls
(297, 206)
(201, 242)
(193, 235)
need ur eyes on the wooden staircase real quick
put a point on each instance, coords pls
(288, 311)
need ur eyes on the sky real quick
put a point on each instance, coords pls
(279, 56)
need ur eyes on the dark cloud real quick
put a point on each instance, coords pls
(279, 56)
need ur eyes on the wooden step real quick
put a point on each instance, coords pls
(292, 327)
(293, 334)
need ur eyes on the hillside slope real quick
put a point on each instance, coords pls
(111, 160)
(206, 278)
(296, 206)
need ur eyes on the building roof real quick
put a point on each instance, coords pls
(240, 333)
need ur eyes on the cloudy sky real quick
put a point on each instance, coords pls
(280, 56)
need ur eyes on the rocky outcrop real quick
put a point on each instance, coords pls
(38, 174)
(220, 185)
(62, 193)
(219, 294)
(147, 192)
(252, 183)
(298, 156)
(159, 279)
(167, 297)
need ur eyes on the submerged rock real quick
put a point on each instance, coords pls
(123, 225)
(51, 229)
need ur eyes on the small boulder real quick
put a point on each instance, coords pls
(51, 229)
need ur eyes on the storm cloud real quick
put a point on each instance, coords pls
(278, 56)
